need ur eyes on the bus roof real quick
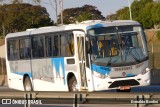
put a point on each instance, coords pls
(85, 25)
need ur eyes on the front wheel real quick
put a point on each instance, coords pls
(73, 85)
(27, 84)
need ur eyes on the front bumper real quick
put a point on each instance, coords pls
(108, 83)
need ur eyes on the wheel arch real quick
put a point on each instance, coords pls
(70, 75)
(24, 77)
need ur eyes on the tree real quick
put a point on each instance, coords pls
(86, 12)
(156, 15)
(145, 16)
(147, 12)
(158, 35)
(123, 14)
(111, 17)
(19, 17)
(138, 7)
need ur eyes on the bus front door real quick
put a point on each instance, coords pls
(81, 59)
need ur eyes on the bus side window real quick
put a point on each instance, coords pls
(55, 45)
(16, 49)
(63, 45)
(27, 49)
(10, 50)
(37, 47)
(21, 48)
(48, 42)
(70, 45)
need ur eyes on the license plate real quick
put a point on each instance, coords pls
(124, 87)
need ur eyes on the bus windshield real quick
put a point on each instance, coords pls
(117, 46)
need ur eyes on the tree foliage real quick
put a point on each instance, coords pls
(19, 17)
(86, 12)
(145, 16)
(147, 12)
(158, 35)
(123, 14)
(156, 15)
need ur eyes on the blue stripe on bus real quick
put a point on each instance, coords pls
(94, 26)
(59, 63)
(100, 69)
(130, 75)
(22, 73)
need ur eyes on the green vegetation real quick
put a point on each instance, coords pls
(86, 12)
(158, 35)
(147, 12)
(19, 17)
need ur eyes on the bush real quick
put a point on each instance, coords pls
(158, 35)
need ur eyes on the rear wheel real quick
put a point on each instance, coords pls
(72, 84)
(27, 84)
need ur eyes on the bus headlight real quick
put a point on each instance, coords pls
(99, 75)
(145, 71)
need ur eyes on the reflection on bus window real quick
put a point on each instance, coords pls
(37, 47)
(67, 44)
(55, 45)
(70, 45)
(25, 50)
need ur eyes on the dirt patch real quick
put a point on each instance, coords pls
(154, 48)
(3, 80)
(2, 42)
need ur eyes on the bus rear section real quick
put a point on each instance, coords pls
(48, 62)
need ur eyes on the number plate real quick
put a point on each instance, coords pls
(124, 87)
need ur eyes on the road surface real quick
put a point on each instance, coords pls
(152, 88)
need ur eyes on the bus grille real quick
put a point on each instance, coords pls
(130, 82)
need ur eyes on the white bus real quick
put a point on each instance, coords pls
(92, 56)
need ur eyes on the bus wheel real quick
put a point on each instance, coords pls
(27, 84)
(73, 85)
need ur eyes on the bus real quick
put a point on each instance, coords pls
(92, 55)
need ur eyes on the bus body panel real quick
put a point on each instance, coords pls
(52, 73)
(16, 71)
(105, 83)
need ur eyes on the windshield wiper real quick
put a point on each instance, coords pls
(110, 59)
(133, 56)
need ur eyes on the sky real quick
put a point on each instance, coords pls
(105, 6)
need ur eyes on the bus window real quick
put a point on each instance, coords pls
(67, 44)
(48, 46)
(25, 51)
(21, 48)
(55, 45)
(70, 45)
(63, 45)
(13, 49)
(37, 47)
(16, 49)
(27, 48)
(10, 50)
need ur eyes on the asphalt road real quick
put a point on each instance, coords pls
(152, 88)
(70, 105)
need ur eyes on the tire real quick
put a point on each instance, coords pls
(27, 84)
(72, 84)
